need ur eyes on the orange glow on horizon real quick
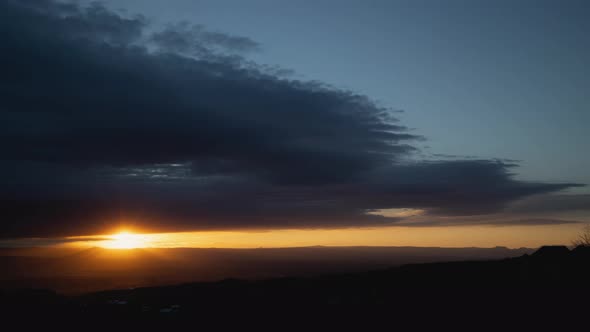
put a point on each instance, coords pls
(459, 236)
(125, 240)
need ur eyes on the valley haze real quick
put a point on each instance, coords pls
(75, 271)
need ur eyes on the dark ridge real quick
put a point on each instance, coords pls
(528, 291)
(552, 252)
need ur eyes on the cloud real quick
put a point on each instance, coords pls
(103, 119)
(46, 242)
(534, 221)
(552, 203)
(496, 220)
(197, 41)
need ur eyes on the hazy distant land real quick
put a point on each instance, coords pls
(74, 271)
(542, 289)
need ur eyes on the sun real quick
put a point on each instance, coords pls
(126, 240)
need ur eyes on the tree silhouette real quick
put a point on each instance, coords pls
(584, 238)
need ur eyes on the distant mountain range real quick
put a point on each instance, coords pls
(545, 289)
(75, 271)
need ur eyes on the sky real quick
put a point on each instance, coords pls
(512, 76)
(389, 122)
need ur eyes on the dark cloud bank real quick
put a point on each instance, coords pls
(102, 121)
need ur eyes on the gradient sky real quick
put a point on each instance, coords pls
(282, 116)
(490, 79)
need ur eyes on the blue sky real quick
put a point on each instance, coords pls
(111, 119)
(490, 79)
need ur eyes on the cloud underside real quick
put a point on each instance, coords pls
(105, 119)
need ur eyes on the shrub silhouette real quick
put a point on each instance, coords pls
(583, 239)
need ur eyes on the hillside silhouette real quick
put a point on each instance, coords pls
(77, 271)
(541, 289)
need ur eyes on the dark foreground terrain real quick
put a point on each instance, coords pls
(74, 271)
(548, 289)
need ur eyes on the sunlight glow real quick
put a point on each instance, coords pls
(126, 240)
(455, 236)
